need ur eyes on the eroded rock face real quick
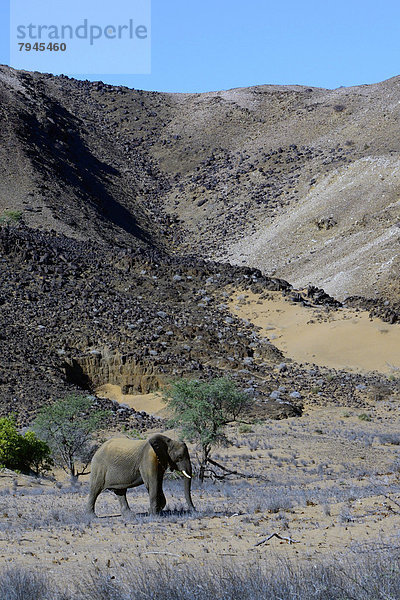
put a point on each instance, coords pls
(98, 367)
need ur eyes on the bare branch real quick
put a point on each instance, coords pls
(230, 472)
(391, 500)
(286, 539)
(165, 553)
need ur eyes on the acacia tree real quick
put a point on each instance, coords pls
(68, 426)
(202, 409)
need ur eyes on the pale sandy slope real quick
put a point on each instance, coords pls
(342, 339)
(151, 403)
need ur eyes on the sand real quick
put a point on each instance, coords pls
(343, 339)
(151, 403)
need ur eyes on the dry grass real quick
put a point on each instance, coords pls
(330, 483)
(375, 574)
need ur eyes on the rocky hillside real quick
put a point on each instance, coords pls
(302, 183)
(75, 315)
(119, 210)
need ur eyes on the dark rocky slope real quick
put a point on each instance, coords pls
(75, 315)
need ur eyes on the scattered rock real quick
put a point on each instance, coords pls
(326, 223)
(273, 409)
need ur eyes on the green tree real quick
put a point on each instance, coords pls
(22, 452)
(68, 426)
(202, 409)
(38, 453)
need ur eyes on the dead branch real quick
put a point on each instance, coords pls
(391, 500)
(230, 472)
(211, 473)
(286, 539)
(165, 553)
(382, 493)
(213, 462)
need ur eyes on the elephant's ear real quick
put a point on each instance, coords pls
(161, 449)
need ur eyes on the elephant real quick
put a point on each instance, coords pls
(122, 463)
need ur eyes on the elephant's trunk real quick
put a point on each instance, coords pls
(188, 485)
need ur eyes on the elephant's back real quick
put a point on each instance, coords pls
(117, 447)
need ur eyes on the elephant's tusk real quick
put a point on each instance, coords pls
(186, 475)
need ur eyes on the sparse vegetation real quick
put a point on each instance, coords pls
(365, 417)
(25, 453)
(202, 409)
(132, 433)
(21, 583)
(68, 426)
(10, 216)
(245, 428)
(312, 490)
(375, 576)
(379, 392)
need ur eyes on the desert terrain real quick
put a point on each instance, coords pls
(346, 338)
(327, 482)
(249, 234)
(300, 182)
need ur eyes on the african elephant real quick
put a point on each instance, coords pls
(121, 463)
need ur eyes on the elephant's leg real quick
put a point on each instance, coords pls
(122, 500)
(95, 490)
(157, 498)
(153, 479)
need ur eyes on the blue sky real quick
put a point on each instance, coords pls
(223, 44)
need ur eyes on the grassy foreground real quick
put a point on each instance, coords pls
(375, 575)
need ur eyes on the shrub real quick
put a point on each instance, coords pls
(245, 428)
(365, 417)
(22, 452)
(379, 392)
(68, 426)
(10, 216)
(202, 409)
(38, 453)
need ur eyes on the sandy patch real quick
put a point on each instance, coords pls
(343, 339)
(151, 403)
